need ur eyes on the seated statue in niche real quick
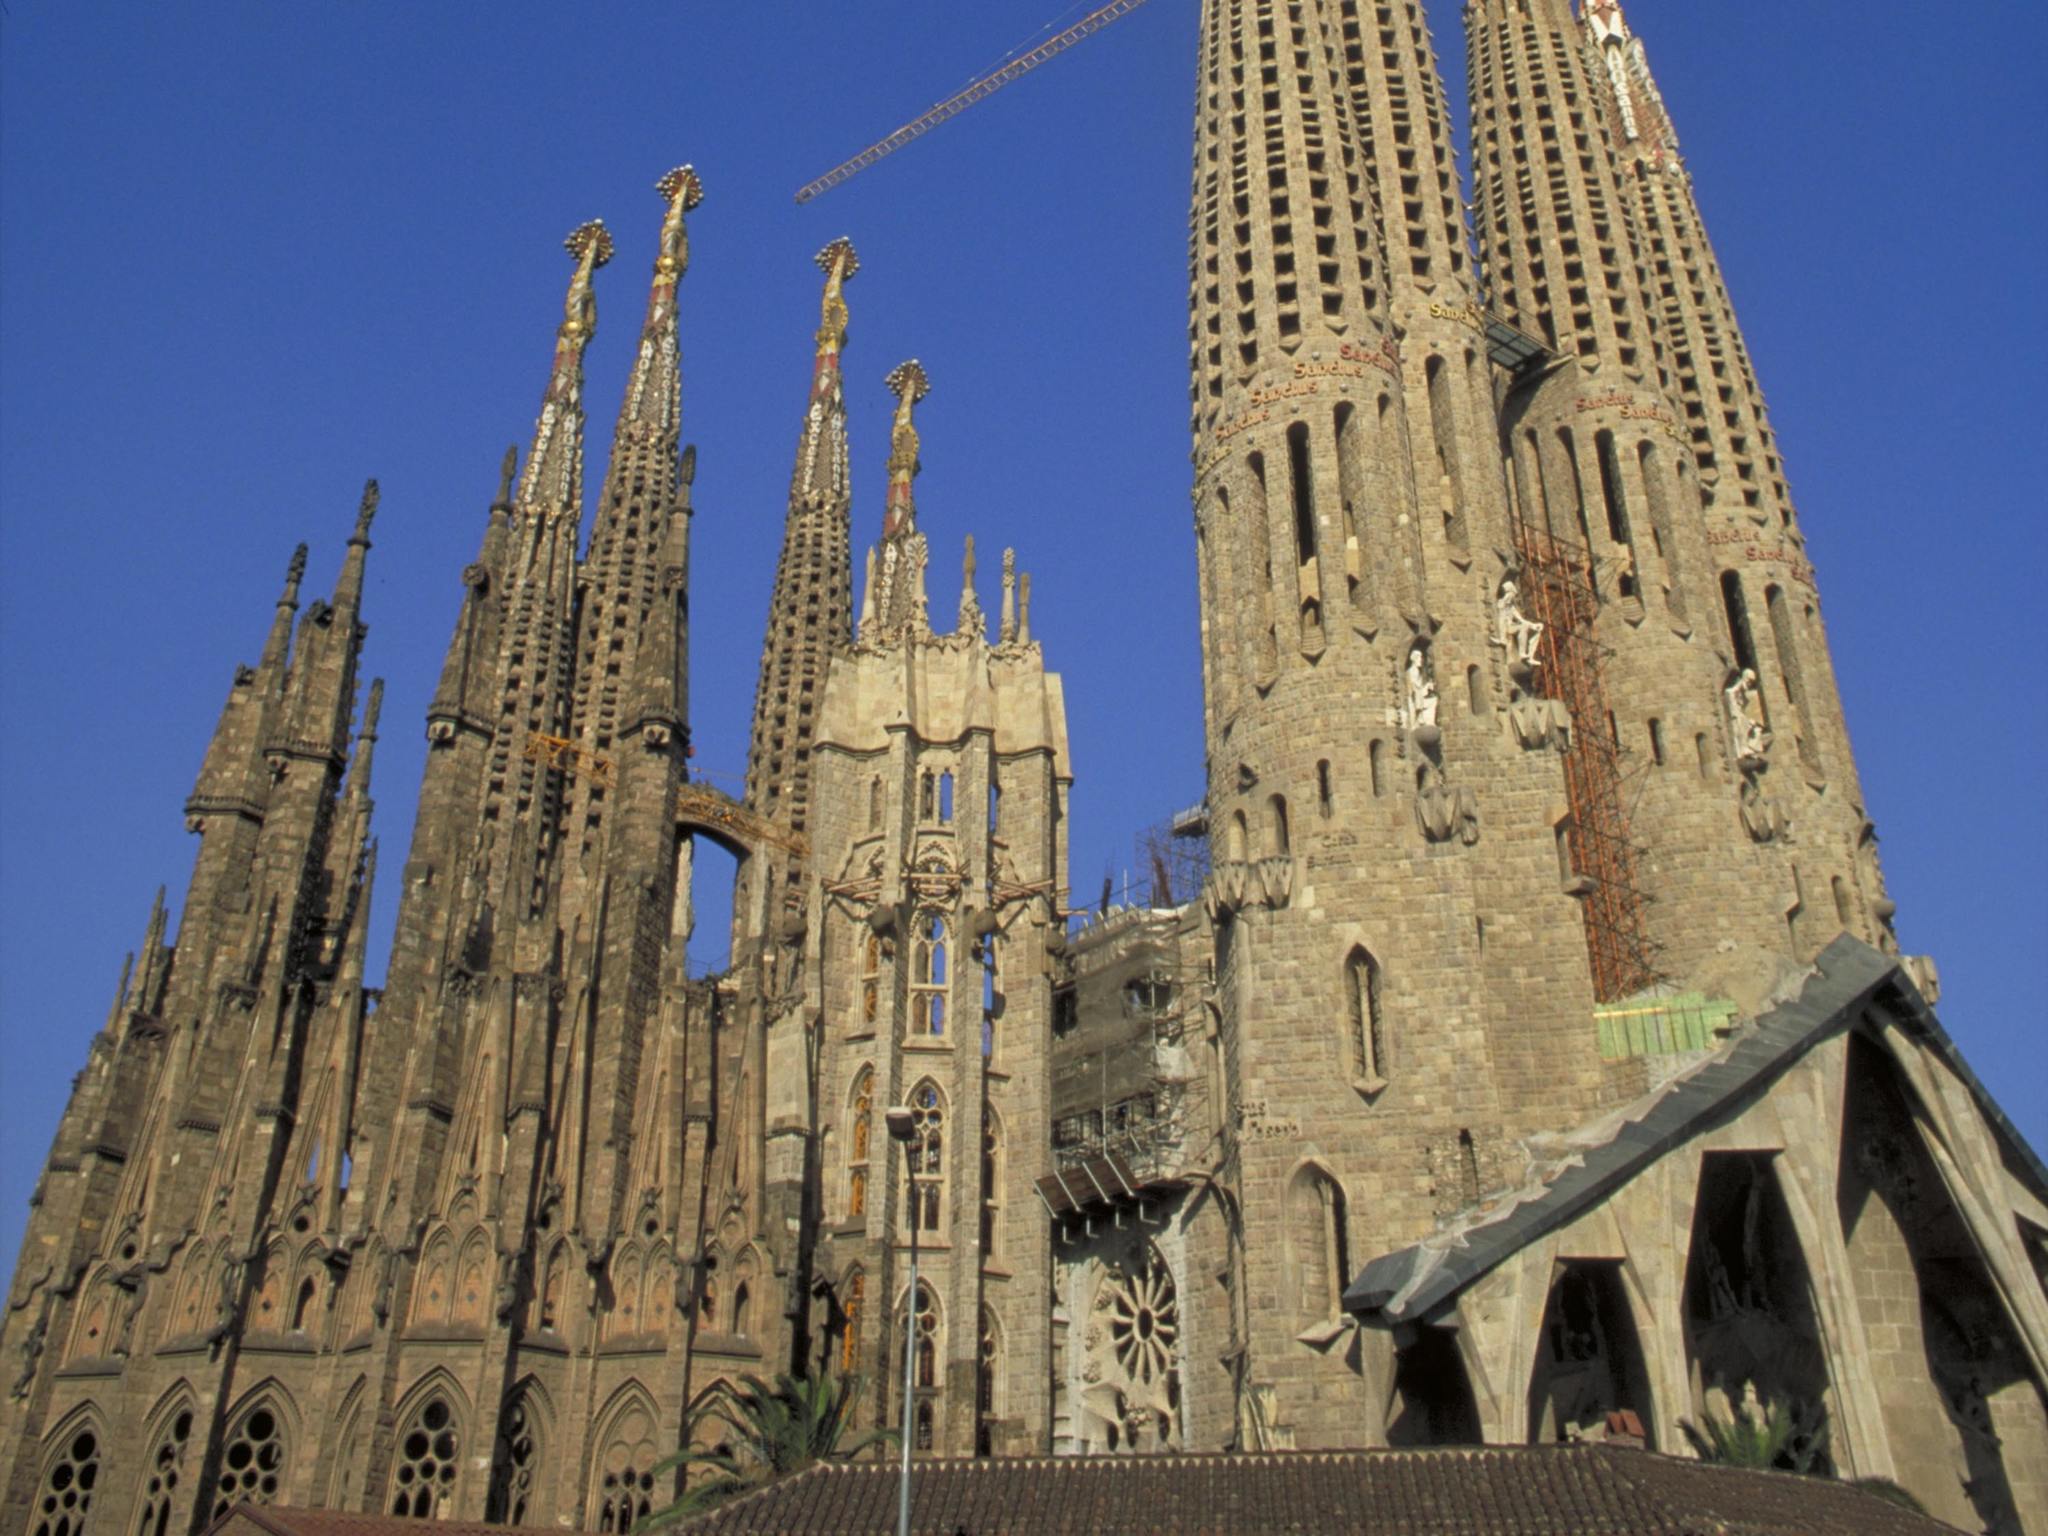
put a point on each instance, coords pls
(1743, 699)
(1513, 630)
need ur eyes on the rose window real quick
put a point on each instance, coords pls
(1144, 1321)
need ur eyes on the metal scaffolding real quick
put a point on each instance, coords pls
(1558, 592)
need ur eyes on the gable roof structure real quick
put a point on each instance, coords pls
(1496, 1491)
(1849, 978)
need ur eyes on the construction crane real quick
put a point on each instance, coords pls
(979, 90)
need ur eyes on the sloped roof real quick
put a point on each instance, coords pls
(1411, 1283)
(249, 1519)
(1504, 1491)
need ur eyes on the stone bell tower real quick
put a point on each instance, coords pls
(937, 868)
(1402, 976)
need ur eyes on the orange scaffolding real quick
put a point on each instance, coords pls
(1558, 593)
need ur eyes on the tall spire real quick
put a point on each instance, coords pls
(901, 557)
(348, 589)
(654, 397)
(907, 382)
(810, 611)
(553, 483)
(820, 477)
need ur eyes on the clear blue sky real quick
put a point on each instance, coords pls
(252, 253)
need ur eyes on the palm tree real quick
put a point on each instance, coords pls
(1778, 1435)
(776, 1430)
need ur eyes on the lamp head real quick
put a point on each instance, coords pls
(897, 1119)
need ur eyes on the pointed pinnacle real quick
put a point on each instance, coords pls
(366, 512)
(507, 468)
(372, 708)
(294, 574)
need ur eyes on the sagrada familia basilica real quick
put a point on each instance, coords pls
(1514, 1046)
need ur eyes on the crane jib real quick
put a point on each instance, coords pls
(978, 90)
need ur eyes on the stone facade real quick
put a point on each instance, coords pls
(1533, 835)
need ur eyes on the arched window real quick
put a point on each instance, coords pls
(1367, 1026)
(473, 1291)
(1278, 841)
(436, 1283)
(252, 1466)
(624, 1316)
(927, 797)
(166, 1473)
(946, 796)
(742, 1309)
(1376, 759)
(624, 1475)
(988, 1384)
(69, 1482)
(1736, 607)
(860, 1133)
(423, 1479)
(991, 1183)
(1238, 839)
(1325, 798)
(552, 1287)
(517, 1464)
(925, 1350)
(302, 1305)
(926, 1157)
(853, 1302)
(1318, 1244)
(870, 979)
(928, 977)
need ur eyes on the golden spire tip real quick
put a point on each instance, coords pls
(590, 236)
(683, 179)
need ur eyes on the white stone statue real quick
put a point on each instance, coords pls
(1422, 699)
(1745, 718)
(1513, 629)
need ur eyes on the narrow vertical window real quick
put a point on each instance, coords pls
(929, 977)
(946, 796)
(1475, 691)
(1790, 674)
(1615, 499)
(1376, 759)
(1736, 608)
(991, 1184)
(1367, 1026)
(853, 1303)
(1468, 1167)
(1304, 493)
(1656, 730)
(870, 979)
(859, 1136)
(875, 803)
(1325, 802)
(1278, 841)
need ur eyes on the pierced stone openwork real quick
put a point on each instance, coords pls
(166, 1470)
(253, 1464)
(926, 1156)
(516, 1463)
(68, 1486)
(625, 1474)
(1134, 1355)
(423, 1483)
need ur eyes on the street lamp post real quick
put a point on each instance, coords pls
(902, 1128)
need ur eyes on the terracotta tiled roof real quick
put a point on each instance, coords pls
(1505, 1491)
(252, 1520)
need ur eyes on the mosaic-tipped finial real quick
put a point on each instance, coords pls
(365, 512)
(839, 259)
(909, 384)
(590, 241)
(507, 468)
(681, 187)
